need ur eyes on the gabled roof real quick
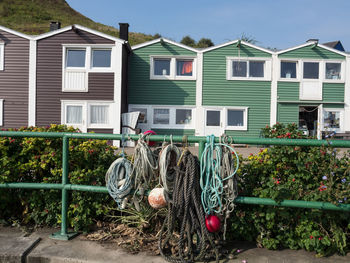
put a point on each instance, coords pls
(165, 40)
(236, 41)
(89, 30)
(311, 43)
(15, 33)
(335, 44)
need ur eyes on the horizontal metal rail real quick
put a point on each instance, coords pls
(65, 186)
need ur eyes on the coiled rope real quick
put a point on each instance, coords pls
(168, 158)
(184, 236)
(118, 179)
(218, 181)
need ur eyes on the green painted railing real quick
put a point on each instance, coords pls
(65, 186)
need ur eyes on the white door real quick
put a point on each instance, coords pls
(213, 122)
(319, 121)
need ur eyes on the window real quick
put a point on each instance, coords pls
(164, 117)
(161, 116)
(79, 61)
(333, 70)
(162, 67)
(76, 58)
(184, 67)
(333, 119)
(181, 68)
(248, 68)
(213, 117)
(74, 114)
(183, 116)
(311, 70)
(235, 117)
(1, 111)
(86, 114)
(2, 57)
(101, 58)
(288, 70)
(99, 114)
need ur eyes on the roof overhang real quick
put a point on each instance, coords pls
(148, 43)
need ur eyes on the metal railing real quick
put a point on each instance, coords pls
(65, 186)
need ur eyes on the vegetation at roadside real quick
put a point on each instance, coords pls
(280, 172)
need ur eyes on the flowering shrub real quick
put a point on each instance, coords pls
(295, 173)
(39, 160)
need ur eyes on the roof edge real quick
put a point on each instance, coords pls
(165, 40)
(14, 32)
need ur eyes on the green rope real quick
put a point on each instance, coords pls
(212, 180)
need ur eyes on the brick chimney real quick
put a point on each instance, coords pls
(54, 25)
(124, 31)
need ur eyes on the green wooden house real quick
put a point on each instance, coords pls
(310, 88)
(238, 88)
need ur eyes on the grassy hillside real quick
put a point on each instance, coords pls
(34, 16)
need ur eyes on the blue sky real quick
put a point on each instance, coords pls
(277, 24)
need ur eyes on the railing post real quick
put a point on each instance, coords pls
(64, 234)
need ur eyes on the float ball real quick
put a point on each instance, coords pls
(156, 198)
(150, 132)
(212, 223)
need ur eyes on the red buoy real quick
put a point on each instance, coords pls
(212, 222)
(150, 132)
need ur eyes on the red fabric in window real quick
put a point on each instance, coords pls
(187, 67)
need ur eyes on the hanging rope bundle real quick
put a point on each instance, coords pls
(118, 178)
(168, 158)
(218, 181)
(184, 236)
(145, 166)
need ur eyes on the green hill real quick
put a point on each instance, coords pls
(33, 17)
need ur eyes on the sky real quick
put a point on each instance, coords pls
(275, 24)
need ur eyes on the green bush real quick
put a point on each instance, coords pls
(294, 173)
(39, 160)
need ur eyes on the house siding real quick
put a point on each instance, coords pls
(311, 53)
(179, 132)
(143, 90)
(333, 92)
(14, 80)
(217, 91)
(49, 76)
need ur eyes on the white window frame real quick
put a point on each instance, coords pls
(1, 112)
(100, 125)
(2, 57)
(341, 121)
(267, 68)
(298, 72)
(342, 71)
(245, 119)
(88, 63)
(172, 116)
(172, 75)
(86, 113)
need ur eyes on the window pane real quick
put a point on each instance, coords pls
(162, 67)
(143, 115)
(333, 70)
(76, 58)
(101, 58)
(99, 114)
(256, 69)
(183, 116)
(235, 117)
(161, 116)
(288, 70)
(311, 70)
(184, 67)
(213, 118)
(74, 115)
(239, 69)
(332, 119)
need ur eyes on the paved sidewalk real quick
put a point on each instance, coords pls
(16, 246)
